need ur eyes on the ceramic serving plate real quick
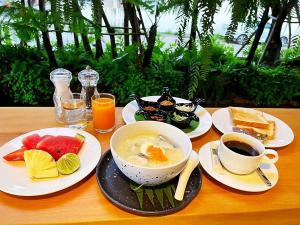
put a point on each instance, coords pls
(128, 114)
(283, 133)
(15, 181)
(116, 187)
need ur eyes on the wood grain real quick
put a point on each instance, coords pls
(84, 203)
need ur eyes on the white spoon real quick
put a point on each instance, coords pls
(185, 174)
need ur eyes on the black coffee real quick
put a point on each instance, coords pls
(241, 148)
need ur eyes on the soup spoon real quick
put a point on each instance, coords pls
(185, 174)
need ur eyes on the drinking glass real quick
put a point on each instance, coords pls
(73, 108)
(103, 109)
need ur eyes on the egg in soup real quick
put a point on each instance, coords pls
(150, 151)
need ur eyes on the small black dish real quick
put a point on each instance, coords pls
(157, 115)
(166, 101)
(147, 106)
(182, 119)
(189, 107)
(116, 188)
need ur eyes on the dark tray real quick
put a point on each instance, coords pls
(116, 187)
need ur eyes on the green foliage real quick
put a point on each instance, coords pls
(122, 76)
(242, 11)
(292, 53)
(266, 86)
(258, 51)
(25, 76)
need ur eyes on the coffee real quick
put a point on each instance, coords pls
(241, 148)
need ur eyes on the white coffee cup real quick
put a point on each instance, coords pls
(239, 163)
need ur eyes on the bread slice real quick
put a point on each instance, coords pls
(248, 117)
(261, 133)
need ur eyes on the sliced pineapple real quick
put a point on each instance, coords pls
(40, 164)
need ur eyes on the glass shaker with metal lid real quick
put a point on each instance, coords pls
(61, 79)
(88, 79)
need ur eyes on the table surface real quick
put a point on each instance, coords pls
(84, 203)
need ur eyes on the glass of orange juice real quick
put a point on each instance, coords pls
(103, 109)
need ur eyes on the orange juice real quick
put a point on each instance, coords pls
(103, 108)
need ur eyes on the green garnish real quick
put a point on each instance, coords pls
(178, 117)
(158, 193)
(193, 124)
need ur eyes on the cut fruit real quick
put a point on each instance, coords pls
(15, 155)
(40, 164)
(31, 141)
(68, 163)
(58, 146)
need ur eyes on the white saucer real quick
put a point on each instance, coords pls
(250, 182)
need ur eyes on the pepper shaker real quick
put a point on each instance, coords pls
(88, 79)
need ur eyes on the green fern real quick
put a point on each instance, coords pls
(181, 31)
(195, 78)
(242, 11)
(68, 11)
(97, 17)
(209, 9)
(57, 13)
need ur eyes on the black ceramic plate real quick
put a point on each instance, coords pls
(116, 187)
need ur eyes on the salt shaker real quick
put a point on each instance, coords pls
(88, 79)
(61, 79)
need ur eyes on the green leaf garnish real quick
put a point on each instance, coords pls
(160, 196)
(169, 194)
(150, 194)
(139, 192)
(158, 192)
(173, 188)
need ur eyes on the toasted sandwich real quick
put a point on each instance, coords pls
(248, 117)
(252, 122)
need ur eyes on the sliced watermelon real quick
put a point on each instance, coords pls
(57, 146)
(54, 145)
(16, 155)
(31, 141)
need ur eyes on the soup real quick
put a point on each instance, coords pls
(150, 151)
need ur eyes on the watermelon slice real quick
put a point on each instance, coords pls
(57, 146)
(31, 141)
(16, 155)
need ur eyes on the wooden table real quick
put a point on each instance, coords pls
(84, 203)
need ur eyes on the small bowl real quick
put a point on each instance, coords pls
(189, 107)
(166, 101)
(145, 175)
(181, 119)
(147, 106)
(157, 115)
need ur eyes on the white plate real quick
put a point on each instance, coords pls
(283, 133)
(14, 180)
(205, 123)
(250, 182)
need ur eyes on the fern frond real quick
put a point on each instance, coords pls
(57, 13)
(68, 11)
(181, 31)
(195, 79)
(295, 42)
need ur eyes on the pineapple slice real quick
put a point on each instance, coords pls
(40, 164)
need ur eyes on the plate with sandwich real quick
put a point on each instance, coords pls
(272, 131)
